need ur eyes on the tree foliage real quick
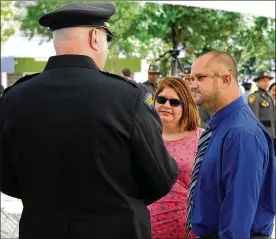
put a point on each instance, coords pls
(149, 30)
(9, 22)
(126, 14)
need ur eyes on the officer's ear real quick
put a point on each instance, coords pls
(94, 39)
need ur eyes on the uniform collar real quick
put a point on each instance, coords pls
(70, 61)
(261, 90)
(151, 83)
(225, 112)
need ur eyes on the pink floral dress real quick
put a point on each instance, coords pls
(168, 215)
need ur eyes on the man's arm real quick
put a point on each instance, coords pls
(244, 161)
(157, 170)
(8, 182)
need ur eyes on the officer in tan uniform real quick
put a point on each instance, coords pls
(262, 104)
(153, 76)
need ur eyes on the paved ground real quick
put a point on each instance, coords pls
(11, 209)
(10, 214)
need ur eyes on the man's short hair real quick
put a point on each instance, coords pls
(225, 59)
(126, 72)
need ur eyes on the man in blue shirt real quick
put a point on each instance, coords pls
(234, 192)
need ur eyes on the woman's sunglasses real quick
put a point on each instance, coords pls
(173, 102)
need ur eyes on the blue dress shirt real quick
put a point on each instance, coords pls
(235, 193)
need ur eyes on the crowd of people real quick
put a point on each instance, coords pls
(92, 154)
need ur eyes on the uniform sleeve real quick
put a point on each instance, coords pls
(253, 103)
(157, 170)
(8, 182)
(244, 162)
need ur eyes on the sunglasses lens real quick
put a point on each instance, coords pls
(174, 102)
(161, 100)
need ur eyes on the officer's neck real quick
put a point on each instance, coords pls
(260, 89)
(152, 81)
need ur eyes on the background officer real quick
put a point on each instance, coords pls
(203, 114)
(153, 76)
(261, 103)
(81, 147)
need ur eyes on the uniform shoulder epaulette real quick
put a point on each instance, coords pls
(21, 80)
(120, 77)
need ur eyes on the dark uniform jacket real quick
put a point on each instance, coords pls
(262, 105)
(84, 151)
(152, 87)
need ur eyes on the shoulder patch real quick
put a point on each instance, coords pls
(119, 77)
(148, 101)
(251, 99)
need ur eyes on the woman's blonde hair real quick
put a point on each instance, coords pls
(190, 119)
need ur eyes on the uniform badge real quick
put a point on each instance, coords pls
(148, 101)
(264, 104)
(251, 99)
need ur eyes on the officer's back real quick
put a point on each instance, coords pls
(82, 148)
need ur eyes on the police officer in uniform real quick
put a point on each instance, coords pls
(261, 103)
(203, 114)
(82, 148)
(153, 76)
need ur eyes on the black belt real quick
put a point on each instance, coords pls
(266, 123)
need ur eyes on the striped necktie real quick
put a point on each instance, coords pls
(203, 143)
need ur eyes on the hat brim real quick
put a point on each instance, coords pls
(262, 77)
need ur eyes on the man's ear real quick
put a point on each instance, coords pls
(226, 79)
(94, 39)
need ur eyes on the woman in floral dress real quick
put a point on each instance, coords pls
(180, 118)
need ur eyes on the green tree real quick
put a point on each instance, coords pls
(9, 22)
(29, 21)
(150, 30)
(188, 28)
(120, 22)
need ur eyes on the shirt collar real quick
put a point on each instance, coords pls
(226, 111)
(262, 91)
(70, 61)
